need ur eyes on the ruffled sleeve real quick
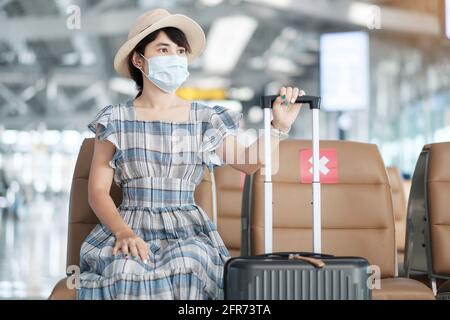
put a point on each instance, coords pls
(221, 123)
(108, 129)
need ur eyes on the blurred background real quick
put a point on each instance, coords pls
(382, 68)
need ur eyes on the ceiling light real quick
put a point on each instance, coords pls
(70, 59)
(257, 63)
(274, 3)
(27, 57)
(227, 39)
(364, 14)
(211, 3)
(242, 94)
(283, 65)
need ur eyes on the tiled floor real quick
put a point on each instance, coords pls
(33, 248)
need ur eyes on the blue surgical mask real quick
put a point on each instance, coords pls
(167, 72)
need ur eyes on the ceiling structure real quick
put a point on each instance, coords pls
(56, 74)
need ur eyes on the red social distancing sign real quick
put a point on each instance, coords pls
(328, 166)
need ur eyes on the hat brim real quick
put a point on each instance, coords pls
(193, 31)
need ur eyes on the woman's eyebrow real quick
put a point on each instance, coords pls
(161, 44)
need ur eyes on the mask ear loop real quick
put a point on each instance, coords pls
(143, 56)
(140, 68)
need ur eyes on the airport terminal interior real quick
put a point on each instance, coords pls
(380, 67)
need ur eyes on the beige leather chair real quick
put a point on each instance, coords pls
(229, 186)
(406, 188)
(399, 205)
(428, 236)
(357, 214)
(82, 219)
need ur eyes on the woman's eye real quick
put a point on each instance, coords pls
(182, 51)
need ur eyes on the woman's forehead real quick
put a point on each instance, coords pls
(163, 39)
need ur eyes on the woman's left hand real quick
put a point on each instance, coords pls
(284, 108)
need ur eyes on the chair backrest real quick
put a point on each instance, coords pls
(417, 253)
(229, 186)
(428, 232)
(82, 218)
(357, 215)
(406, 187)
(438, 193)
(399, 204)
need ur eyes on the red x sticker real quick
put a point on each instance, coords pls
(328, 166)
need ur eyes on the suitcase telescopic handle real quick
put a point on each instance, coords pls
(313, 101)
(314, 105)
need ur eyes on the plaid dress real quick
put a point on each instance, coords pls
(158, 164)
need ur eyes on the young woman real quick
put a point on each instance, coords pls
(159, 244)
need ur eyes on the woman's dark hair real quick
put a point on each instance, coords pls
(174, 34)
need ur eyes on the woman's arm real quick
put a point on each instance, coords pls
(99, 186)
(245, 159)
(250, 159)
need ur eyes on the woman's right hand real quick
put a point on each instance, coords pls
(128, 242)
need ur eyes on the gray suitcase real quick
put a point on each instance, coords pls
(295, 275)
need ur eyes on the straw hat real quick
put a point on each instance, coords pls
(153, 20)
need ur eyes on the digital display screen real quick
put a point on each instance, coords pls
(344, 71)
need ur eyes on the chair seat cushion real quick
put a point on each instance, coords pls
(391, 289)
(61, 292)
(402, 289)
